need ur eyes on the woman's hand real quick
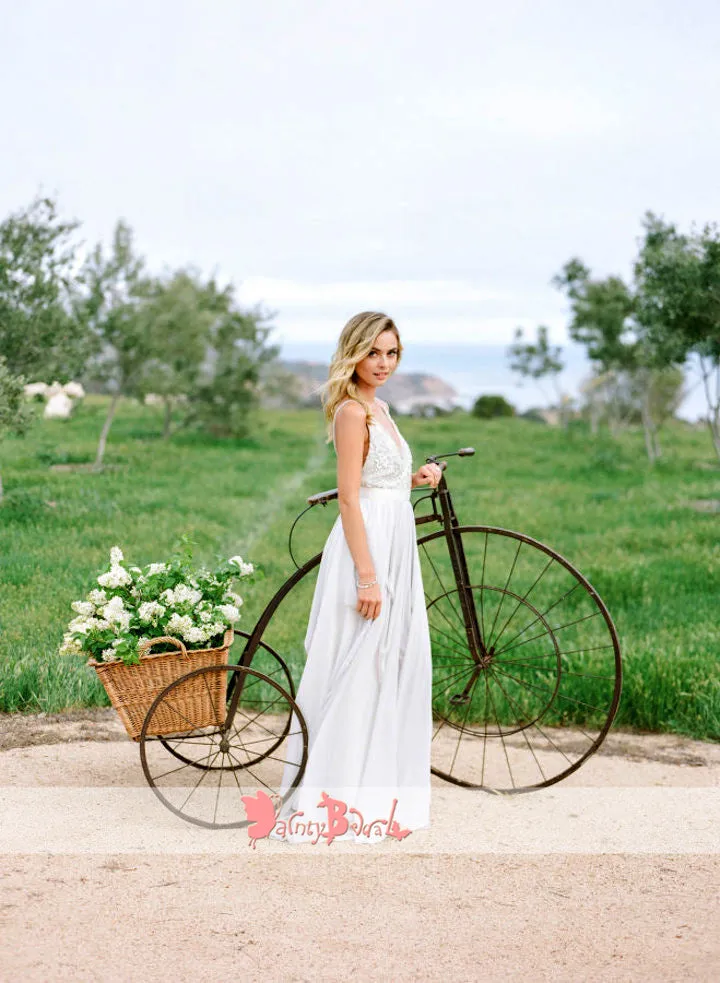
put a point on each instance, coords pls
(369, 601)
(427, 474)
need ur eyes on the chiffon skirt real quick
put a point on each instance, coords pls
(365, 692)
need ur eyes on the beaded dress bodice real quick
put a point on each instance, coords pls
(388, 463)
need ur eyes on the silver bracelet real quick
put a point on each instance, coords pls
(371, 584)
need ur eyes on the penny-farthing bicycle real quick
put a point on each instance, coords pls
(527, 676)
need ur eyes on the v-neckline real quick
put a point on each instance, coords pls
(398, 445)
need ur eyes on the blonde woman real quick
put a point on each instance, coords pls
(366, 688)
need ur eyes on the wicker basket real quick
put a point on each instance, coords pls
(132, 688)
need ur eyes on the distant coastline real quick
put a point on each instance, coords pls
(474, 370)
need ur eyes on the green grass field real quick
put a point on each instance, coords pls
(629, 528)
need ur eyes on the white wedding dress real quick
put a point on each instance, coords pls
(366, 688)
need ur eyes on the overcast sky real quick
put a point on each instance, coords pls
(436, 160)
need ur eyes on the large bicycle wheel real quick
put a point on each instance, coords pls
(526, 661)
(205, 774)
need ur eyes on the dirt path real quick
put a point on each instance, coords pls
(610, 875)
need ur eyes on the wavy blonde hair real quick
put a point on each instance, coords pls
(357, 339)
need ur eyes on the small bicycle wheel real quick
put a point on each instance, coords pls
(526, 661)
(267, 662)
(203, 769)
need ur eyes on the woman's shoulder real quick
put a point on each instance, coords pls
(355, 408)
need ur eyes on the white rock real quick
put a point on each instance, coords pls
(74, 390)
(58, 407)
(36, 389)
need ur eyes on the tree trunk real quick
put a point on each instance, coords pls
(646, 416)
(105, 431)
(658, 448)
(649, 439)
(713, 405)
(168, 419)
(714, 428)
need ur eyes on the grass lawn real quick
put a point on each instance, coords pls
(629, 528)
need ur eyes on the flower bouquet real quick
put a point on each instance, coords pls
(187, 613)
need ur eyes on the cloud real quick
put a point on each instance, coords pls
(523, 110)
(365, 295)
(417, 328)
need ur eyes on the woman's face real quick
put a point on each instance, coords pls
(379, 364)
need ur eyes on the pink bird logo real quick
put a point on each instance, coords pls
(261, 813)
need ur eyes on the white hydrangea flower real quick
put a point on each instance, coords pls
(181, 595)
(245, 568)
(97, 597)
(115, 612)
(157, 568)
(179, 624)
(81, 623)
(84, 625)
(195, 634)
(184, 593)
(110, 653)
(86, 608)
(233, 598)
(151, 612)
(70, 646)
(116, 555)
(205, 616)
(228, 611)
(116, 577)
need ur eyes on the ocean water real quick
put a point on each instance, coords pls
(475, 370)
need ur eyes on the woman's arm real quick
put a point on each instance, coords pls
(349, 444)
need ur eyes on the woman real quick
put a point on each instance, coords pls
(365, 692)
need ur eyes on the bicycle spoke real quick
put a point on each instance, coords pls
(504, 594)
(502, 738)
(523, 600)
(440, 581)
(217, 797)
(463, 644)
(202, 779)
(467, 710)
(550, 741)
(482, 592)
(525, 737)
(450, 679)
(482, 773)
(435, 607)
(463, 653)
(542, 616)
(255, 720)
(562, 696)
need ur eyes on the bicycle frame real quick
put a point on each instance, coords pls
(450, 523)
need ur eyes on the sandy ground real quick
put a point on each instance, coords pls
(612, 874)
